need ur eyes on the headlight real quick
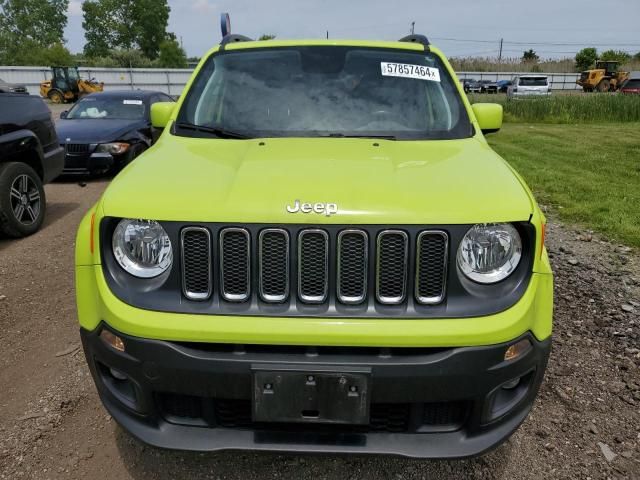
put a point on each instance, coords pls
(117, 148)
(489, 253)
(142, 248)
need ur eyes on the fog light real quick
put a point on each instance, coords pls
(517, 350)
(112, 340)
(509, 385)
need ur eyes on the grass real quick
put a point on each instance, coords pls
(558, 108)
(588, 174)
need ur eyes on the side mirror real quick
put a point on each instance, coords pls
(161, 113)
(64, 114)
(489, 116)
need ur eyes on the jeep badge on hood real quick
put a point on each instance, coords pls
(327, 209)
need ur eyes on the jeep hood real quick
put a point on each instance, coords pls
(372, 182)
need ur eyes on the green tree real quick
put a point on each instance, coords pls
(172, 55)
(636, 57)
(125, 24)
(28, 26)
(42, 21)
(99, 27)
(616, 55)
(530, 56)
(57, 54)
(266, 36)
(586, 58)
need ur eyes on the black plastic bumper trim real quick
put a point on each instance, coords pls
(469, 374)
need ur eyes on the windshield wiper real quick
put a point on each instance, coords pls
(342, 135)
(218, 132)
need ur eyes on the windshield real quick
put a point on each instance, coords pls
(533, 81)
(108, 108)
(632, 84)
(325, 91)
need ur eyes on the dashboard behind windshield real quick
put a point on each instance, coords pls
(325, 91)
(108, 108)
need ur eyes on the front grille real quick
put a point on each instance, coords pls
(274, 265)
(431, 269)
(383, 417)
(391, 267)
(77, 148)
(444, 414)
(196, 258)
(352, 267)
(313, 266)
(353, 260)
(235, 269)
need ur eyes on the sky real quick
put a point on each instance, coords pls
(553, 28)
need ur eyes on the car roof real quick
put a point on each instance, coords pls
(253, 44)
(532, 75)
(123, 94)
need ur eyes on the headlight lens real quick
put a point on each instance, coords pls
(116, 148)
(142, 248)
(489, 253)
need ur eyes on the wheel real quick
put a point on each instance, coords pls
(22, 200)
(603, 86)
(56, 96)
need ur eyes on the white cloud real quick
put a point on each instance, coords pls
(75, 8)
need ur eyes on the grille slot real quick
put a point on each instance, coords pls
(353, 259)
(74, 148)
(384, 417)
(196, 263)
(391, 267)
(444, 414)
(313, 266)
(274, 265)
(431, 267)
(235, 265)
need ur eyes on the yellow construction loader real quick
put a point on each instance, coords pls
(604, 78)
(67, 86)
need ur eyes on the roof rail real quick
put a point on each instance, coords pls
(421, 39)
(233, 38)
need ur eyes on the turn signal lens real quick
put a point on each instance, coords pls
(517, 350)
(117, 148)
(112, 340)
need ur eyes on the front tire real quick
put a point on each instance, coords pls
(56, 97)
(22, 200)
(603, 86)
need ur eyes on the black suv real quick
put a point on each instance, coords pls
(30, 156)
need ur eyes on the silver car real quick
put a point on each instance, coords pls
(529, 85)
(6, 87)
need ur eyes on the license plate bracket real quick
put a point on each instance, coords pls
(305, 394)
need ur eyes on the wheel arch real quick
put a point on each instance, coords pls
(23, 146)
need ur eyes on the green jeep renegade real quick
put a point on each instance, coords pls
(320, 254)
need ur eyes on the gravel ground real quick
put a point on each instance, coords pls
(585, 424)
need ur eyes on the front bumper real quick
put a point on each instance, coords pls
(425, 402)
(93, 163)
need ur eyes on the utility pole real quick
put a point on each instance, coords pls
(500, 54)
(327, 34)
(413, 25)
